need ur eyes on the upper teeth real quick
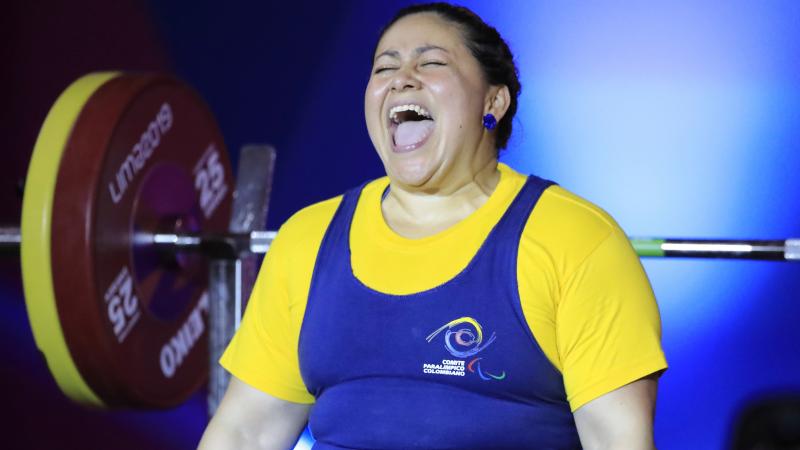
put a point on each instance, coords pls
(416, 108)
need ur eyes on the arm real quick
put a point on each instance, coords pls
(262, 357)
(251, 419)
(609, 335)
(621, 419)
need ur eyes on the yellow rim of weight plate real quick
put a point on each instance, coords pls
(37, 207)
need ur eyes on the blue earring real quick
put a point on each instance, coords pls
(489, 121)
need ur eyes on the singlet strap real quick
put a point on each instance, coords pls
(507, 232)
(336, 240)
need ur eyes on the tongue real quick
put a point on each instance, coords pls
(411, 132)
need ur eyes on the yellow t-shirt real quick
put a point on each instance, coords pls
(583, 291)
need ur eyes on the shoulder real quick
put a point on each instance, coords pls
(568, 228)
(312, 218)
(558, 208)
(306, 228)
(561, 207)
(302, 233)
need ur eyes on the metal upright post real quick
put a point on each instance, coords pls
(231, 280)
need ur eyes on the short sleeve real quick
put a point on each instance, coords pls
(608, 329)
(263, 352)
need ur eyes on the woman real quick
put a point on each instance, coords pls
(454, 303)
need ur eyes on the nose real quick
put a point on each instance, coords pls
(403, 79)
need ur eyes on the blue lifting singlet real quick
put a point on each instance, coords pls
(453, 367)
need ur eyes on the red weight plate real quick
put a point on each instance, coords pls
(145, 155)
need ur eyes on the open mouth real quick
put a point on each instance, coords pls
(411, 125)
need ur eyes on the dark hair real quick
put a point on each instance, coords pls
(486, 45)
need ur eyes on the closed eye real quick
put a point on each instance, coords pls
(433, 63)
(383, 69)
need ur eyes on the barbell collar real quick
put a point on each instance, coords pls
(215, 246)
(792, 252)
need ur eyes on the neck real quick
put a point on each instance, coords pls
(421, 213)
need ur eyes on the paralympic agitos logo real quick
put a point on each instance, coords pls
(463, 338)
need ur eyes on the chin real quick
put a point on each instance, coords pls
(414, 168)
(409, 173)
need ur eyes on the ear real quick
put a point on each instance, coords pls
(498, 101)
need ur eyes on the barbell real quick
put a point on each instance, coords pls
(229, 245)
(128, 190)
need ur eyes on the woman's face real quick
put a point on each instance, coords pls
(424, 104)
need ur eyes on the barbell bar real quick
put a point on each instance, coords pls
(258, 242)
(233, 245)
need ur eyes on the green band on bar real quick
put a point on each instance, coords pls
(648, 247)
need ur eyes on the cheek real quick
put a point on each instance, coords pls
(463, 99)
(373, 97)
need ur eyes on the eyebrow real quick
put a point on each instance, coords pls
(418, 51)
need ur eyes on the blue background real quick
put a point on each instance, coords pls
(680, 118)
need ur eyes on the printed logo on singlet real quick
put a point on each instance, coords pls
(463, 338)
